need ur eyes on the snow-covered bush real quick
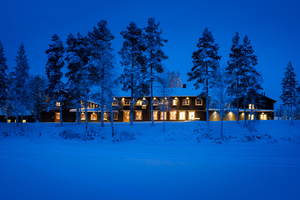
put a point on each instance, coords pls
(206, 132)
(124, 136)
(71, 134)
(4, 134)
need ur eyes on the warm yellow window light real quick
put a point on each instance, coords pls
(182, 115)
(191, 115)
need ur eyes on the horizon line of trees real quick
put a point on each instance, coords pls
(91, 74)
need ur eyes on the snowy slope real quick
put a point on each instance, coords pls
(156, 165)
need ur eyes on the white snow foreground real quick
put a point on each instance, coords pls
(183, 163)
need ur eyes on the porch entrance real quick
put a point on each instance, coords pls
(126, 116)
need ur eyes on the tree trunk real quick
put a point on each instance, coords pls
(164, 128)
(60, 114)
(102, 105)
(131, 107)
(151, 85)
(250, 120)
(77, 114)
(221, 124)
(22, 121)
(291, 115)
(245, 116)
(238, 101)
(17, 119)
(112, 123)
(102, 115)
(86, 116)
(207, 100)
(237, 111)
(131, 99)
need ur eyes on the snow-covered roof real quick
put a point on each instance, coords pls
(176, 92)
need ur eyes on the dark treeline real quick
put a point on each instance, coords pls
(91, 74)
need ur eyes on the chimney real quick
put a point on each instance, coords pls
(184, 86)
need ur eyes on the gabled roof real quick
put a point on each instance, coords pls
(174, 92)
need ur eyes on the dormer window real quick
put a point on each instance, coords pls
(199, 102)
(115, 103)
(174, 102)
(139, 103)
(251, 106)
(127, 102)
(185, 102)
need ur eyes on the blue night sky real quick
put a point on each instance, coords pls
(272, 26)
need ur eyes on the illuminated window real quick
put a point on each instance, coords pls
(182, 115)
(230, 114)
(24, 120)
(115, 116)
(82, 116)
(155, 102)
(163, 114)
(191, 115)
(57, 116)
(164, 101)
(115, 103)
(155, 113)
(173, 115)
(126, 116)
(8, 121)
(139, 103)
(185, 102)
(263, 116)
(174, 102)
(251, 106)
(251, 116)
(93, 116)
(105, 116)
(57, 104)
(198, 102)
(138, 115)
(127, 102)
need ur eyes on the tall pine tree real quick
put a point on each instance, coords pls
(54, 74)
(234, 71)
(101, 68)
(154, 54)
(220, 97)
(37, 94)
(289, 89)
(18, 91)
(205, 61)
(77, 58)
(134, 63)
(250, 78)
(3, 78)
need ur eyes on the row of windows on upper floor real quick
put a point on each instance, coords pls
(126, 102)
(155, 101)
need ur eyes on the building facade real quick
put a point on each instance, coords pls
(182, 105)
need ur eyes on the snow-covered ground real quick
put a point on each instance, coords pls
(186, 162)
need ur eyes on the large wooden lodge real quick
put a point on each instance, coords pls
(183, 105)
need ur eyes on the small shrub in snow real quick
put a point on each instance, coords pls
(124, 136)
(4, 134)
(70, 134)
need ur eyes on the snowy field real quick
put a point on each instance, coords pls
(186, 162)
